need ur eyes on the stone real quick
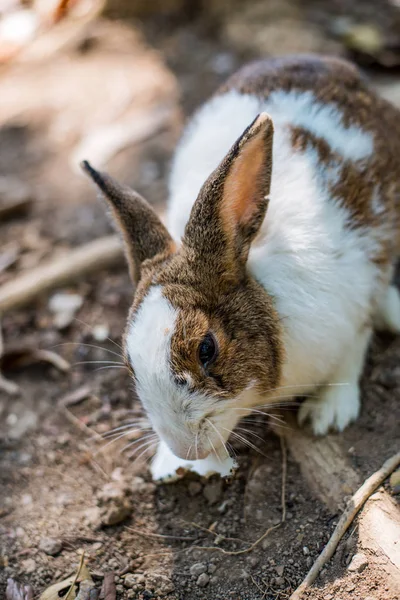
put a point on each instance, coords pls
(213, 491)
(129, 580)
(279, 569)
(203, 580)
(212, 568)
(358, 563)
(197, 569)
(50, 546)
(395, 482)
(194, 488)
(28, 566)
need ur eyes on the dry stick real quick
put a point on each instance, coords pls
(355, 504)
(99, 254)
(161, 535)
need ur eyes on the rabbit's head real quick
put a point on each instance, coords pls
(203, 339)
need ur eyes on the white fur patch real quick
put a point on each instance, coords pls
(167, 467)
(315, 266)
(177, 414)
(219, 123)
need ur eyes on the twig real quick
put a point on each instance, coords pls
(108, 589)
(356, 502)
(76, 577)
(263, 592)
(99, 254)
(162, 536)
(270, 529)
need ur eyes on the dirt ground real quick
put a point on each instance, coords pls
(60, 478)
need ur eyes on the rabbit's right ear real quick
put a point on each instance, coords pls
(144, 234)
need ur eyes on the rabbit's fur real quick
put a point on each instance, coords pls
(283, 248)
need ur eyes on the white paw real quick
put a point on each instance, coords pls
(388, 315)
(167, 467)
(334, 409)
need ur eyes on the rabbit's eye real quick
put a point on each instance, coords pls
(208, 350)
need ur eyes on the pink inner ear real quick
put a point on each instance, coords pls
(243, 185)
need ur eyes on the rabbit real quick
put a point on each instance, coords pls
(277, 261)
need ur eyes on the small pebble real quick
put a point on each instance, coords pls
(306, 551)
(194, 488)
(213, 491)
(28, 566)
(129, 580)
(198, 569)
(358, 563)
(50, 546)
(203, 580)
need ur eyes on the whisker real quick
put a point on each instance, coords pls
(251, 433)
(220, 436)
(121, 427)
(231, 449)
(150, 445)
(195, 445)
(308, 385)
(97, 362)
(111, 367)
(130, 430)
(244, 441)
(141, 439)
(90, 327)
(115, 440)
(88, 346)
(188, 452)
(215, 452)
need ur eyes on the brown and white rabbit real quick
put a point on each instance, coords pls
(284, 221)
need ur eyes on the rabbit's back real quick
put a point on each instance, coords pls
(326, 248)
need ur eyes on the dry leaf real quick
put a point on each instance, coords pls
(54, 592)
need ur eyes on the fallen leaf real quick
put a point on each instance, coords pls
(68, 588)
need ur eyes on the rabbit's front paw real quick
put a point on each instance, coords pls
(336, 408)
(167, 467)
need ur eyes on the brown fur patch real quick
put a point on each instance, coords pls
(243, 321)
(144, 234)
(338, 82)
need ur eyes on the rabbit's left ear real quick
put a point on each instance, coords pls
(144, 234)
(231, 205)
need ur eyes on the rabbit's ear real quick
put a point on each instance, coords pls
(231, 205)
(143, 232)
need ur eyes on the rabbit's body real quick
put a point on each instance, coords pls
(284, 240)
(326, 251)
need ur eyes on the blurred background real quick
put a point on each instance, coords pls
(113, 81)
